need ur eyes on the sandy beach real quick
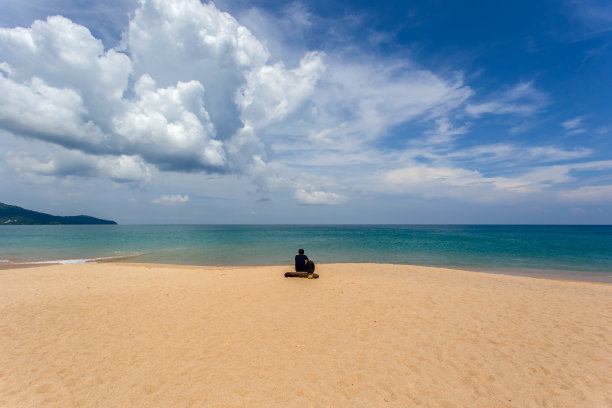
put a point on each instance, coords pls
(363, 335)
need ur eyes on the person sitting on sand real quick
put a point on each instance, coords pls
(300, 261)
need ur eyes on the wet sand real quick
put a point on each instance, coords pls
(362, 335)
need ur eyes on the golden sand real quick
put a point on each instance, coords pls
(363, 335)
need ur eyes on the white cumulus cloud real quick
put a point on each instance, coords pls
(171, 199)
(58, 164)
(185, 91)
(313, 197)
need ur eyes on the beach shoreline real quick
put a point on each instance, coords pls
(517, 250)
(153, 335)
(564, 275)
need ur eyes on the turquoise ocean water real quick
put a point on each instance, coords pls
(572, 251)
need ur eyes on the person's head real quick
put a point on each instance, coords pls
(301, 252)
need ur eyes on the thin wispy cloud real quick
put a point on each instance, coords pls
(575, 125)
(523, 99)
(592, 18)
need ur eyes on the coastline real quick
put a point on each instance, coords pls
(148, 335)
(517, 250)
(564, 275)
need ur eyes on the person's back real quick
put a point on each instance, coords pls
(300, 261)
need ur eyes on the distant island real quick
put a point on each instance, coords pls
(13, 215)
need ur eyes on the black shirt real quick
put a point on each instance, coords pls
(300, 262)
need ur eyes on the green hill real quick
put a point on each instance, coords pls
(13, 215)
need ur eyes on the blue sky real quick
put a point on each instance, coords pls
(308, 112)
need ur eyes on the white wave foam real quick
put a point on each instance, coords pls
(81, 261)
(62, 261)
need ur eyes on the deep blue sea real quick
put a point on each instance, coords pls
(578, 251)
